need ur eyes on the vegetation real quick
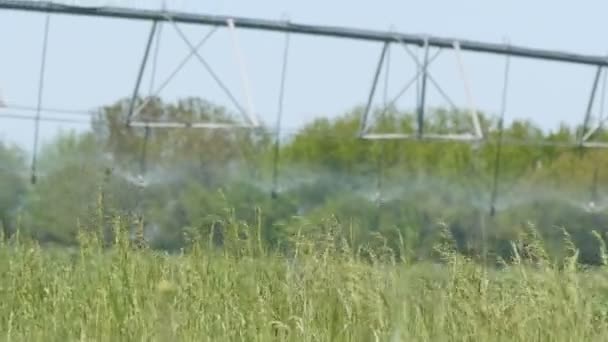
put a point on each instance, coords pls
(366, 241)
(391, 188)
(325, 290)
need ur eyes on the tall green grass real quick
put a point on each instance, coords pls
(323, 290)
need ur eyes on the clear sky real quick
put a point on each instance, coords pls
(92, 62)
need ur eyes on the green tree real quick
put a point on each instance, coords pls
(12, 185)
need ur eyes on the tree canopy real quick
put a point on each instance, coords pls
(174, 180)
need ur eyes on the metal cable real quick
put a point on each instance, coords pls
(42, 118)
(27, 108)
(294, 131)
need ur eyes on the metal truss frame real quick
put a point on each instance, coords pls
(422, 77)
(287, 26)
(250, 121)
(247, 113)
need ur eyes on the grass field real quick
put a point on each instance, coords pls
(325, 291)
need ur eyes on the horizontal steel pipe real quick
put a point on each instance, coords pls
(284, 26)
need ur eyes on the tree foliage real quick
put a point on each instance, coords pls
(178, 180)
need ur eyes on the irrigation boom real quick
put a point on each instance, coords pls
(318, 30)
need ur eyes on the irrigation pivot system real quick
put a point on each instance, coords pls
(430, 46)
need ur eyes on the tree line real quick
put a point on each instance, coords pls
(388, 192)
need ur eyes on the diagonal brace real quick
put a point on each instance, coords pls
(430, 77)
(364, 121)
(174, 73)
(142, 69)
(409, 84)
(586, 136)
(244, 76)
(207, 67)
(467, 89)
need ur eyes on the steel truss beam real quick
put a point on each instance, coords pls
(386, 37)
(284, 26)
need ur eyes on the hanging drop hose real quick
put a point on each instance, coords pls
(40, 92)
(139, 204)
(495, 178)
(380, 175)
(380, 179)
(496, 175)
(277, 144)
(142, 160)
(594, 191)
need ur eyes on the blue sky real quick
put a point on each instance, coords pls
(92, 62)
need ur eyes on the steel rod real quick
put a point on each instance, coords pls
(253, 120)
(422, 100)
(596, 80)
(603, 98)
(368, 107)
(155, 59)
(142, 69)
(281, 26)
(468, 91)
(428, 136)
(601, 119)
(209, 125)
